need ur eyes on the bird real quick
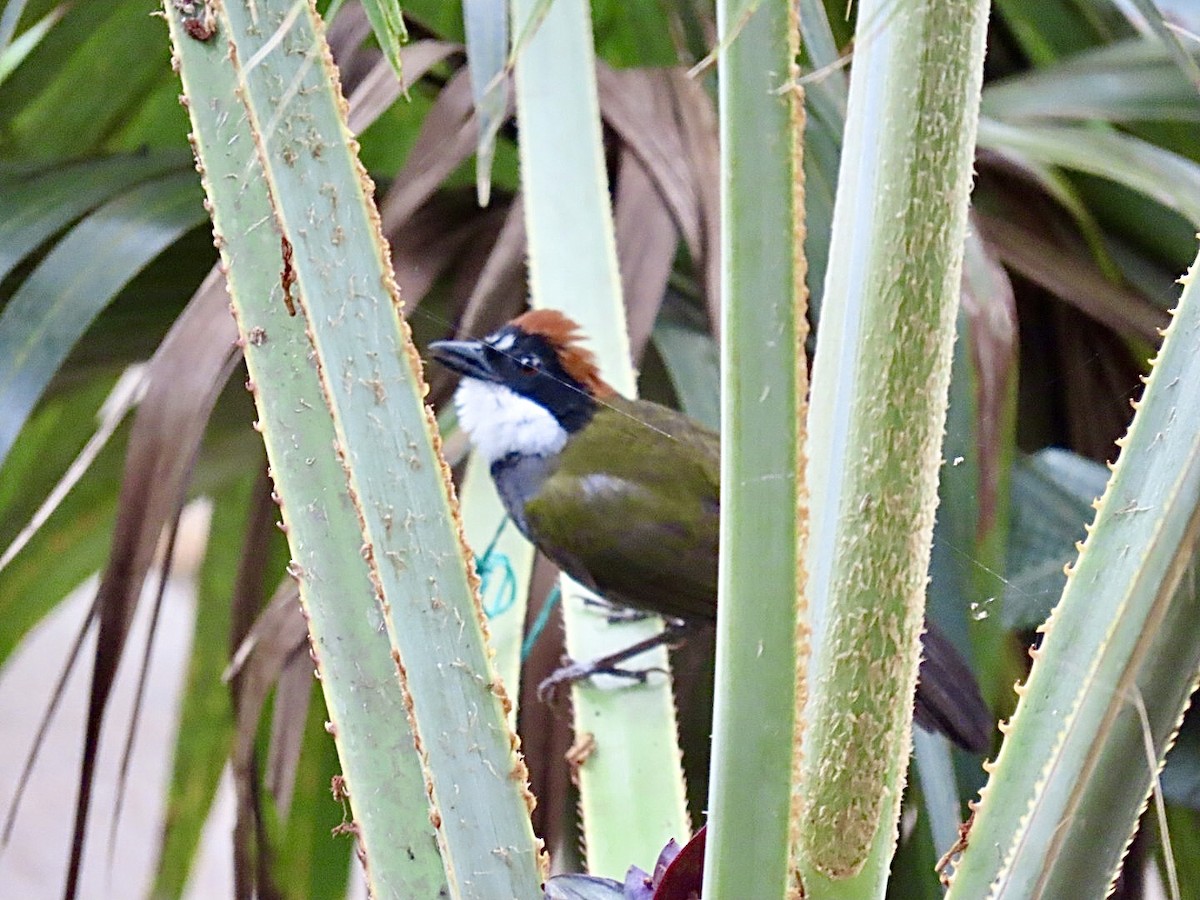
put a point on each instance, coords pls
(624, 494)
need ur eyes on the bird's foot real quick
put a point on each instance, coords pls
(572, 672)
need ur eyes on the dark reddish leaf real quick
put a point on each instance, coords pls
(545, 730)
(679, 873)
(278, 637)
(245, 604)
(143, 673)
(583, 887)
(1068, 271)
(438, 235)
(288, 720)
(379, 89)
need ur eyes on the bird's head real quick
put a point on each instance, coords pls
(525, 387)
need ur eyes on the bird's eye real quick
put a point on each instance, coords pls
(529, 364)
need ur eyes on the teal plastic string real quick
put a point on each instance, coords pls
(539, 624)
(491, 566)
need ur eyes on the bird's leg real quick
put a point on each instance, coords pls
(672, 635)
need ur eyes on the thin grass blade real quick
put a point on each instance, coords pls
(387, 21)
(486, 25)
(1161, 175)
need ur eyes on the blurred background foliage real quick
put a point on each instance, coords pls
(1085, 209)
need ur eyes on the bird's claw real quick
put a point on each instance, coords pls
(569, 673)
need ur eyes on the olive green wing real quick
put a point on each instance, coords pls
(633, 510)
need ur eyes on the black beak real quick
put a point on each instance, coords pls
(467, 358)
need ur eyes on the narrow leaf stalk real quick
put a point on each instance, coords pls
(761, 638)
(630, 775)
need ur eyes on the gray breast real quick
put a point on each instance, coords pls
(518, 478)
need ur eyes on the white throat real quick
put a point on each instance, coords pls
(500, 421)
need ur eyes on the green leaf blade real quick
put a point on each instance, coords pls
(391, 564)
(1105, 689)
(387, 21)
(486, 25)
(879, 392)
(762, 397)
(374, 740)
(54, 306)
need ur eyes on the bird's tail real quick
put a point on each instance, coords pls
(948, 698)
